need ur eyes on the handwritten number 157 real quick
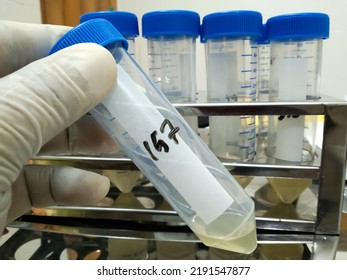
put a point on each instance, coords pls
(160, 145)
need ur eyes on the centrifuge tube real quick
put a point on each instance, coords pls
(171, 155)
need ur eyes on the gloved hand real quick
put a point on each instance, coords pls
(40, 96)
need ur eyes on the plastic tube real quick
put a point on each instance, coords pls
(173, 157)
(296, 42)
(171, 45)
(231, 69)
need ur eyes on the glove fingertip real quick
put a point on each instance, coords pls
(79, 187)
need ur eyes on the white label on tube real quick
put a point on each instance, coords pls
(290, 138)
(141, 119)
(222, 76)
(292, 79)
(292, 87)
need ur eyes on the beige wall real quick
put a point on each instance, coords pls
(21, 10)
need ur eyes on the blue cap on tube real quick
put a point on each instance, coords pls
(231, 23)
(298, 26)
(170, 22)
(99, 31)
(125, 22)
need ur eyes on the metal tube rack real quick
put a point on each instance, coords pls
(318, 226)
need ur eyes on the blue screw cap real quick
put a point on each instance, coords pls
(298, 26)
(231, 23)
(170, 22)
(98, 31)
(125, 22)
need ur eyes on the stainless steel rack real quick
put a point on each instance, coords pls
(316, 222)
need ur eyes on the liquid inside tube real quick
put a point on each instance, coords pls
(189, 185)
(244, 242)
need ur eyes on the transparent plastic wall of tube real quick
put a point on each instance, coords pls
(172, 69)
(264, 58)
(171, 47)
(172, 66)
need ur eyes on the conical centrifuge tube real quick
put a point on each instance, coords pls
(155, 136)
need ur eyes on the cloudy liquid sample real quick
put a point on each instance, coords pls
(243, 238)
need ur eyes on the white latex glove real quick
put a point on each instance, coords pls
(39, 97)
